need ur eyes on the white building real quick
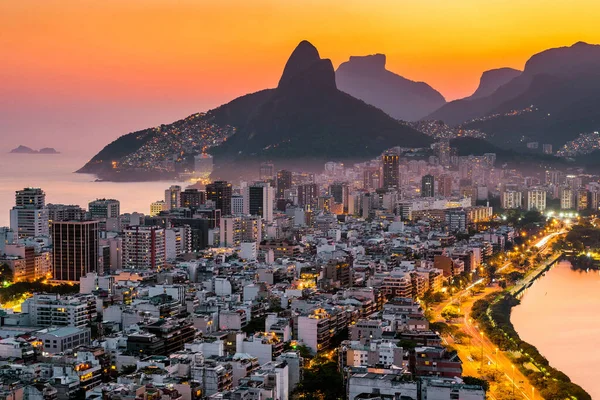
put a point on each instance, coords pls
(365, 384)
(91, 282)
(29, 216)
(536, 199)
(511, 199)
(237, 204)
(29, 222)
(249, 251)
(57, 310)
(566, 198)
(58, 340)
(178, 241)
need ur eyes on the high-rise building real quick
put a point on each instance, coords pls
(371, 178)
(29, 216)
(307, 194)
(144, 247)
(445, 185)
(238, 229)
(442, 151)
(284, 182)
(547, 148)
(266, 171)
(583, 202)
(173, 197)
(428, 186)
(566, 198)
(511, 199)
(30, 198)
(157, 207)
(64, 212)
(456, 219)
(75, 249)
(178, 241)
(192, 198)
(339, 192)
(220, 193)
(490, 158)
(574, 182)
(258, 200)
(104, 208)
(536, 199)
(237, 204)
(553, 177)
(391, 170)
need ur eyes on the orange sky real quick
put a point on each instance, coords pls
(129, 63)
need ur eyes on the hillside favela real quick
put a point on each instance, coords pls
(334, 200)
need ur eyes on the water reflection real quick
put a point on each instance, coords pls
(559, 315)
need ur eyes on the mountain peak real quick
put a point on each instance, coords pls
(370, 62)
(581, 44)
(305, 68)
(492, 79)
(366, 78)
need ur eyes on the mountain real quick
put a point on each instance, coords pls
(306, 118)
(559, 67)
(492, 80)
(48, 150)
(366, 78)
(28, 150)
(23, 150)
(562, 97)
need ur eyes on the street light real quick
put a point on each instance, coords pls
(496, 359)
(481, 333)
(513, 379)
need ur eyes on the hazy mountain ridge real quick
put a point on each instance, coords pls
(562, 84)
(492, 79)
(28, 150)
(366, 78)
(305, 117)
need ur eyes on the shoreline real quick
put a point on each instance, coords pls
(551, 347)
(494, 316)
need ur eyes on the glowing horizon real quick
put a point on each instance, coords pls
(136, 63)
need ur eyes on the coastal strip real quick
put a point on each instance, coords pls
(493, 315)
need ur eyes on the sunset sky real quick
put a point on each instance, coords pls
(76, 74)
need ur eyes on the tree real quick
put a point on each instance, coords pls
(322, 381)
(490, 272)
(255, 325)
(128, 369)
(451, 312)
(515, 276)
(471, 380)
(6, 274)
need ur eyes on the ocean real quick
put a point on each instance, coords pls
(55, 175)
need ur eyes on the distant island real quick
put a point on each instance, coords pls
(28, 150)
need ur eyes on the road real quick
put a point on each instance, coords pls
(497, 359)
(480, 344)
